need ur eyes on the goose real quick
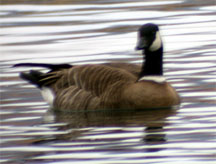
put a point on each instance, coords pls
(111, 85)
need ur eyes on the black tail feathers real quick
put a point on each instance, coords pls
(52, 67)
(35, 77)
(32, 77)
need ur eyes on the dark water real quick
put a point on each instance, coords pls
(97, 31)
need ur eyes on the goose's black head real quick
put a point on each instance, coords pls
(149, 38)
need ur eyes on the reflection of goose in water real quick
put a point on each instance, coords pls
(109, 86)
(153, 120)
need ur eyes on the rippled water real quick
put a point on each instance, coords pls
(80, 32)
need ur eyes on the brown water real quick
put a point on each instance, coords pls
(97, 31)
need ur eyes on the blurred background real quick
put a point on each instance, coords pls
(99, 31)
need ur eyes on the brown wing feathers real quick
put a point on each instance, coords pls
(88, 86)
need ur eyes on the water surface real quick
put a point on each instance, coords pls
(98, 31)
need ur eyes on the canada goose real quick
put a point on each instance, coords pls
(109, 86)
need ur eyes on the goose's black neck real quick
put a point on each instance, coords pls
(153, 65)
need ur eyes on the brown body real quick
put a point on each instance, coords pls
(107, 86)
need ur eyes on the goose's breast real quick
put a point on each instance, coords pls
(148, 94)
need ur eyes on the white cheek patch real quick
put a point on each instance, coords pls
(157, 43)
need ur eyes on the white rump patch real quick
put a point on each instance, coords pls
(157, 79)
(157, 43)
(48, 95)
